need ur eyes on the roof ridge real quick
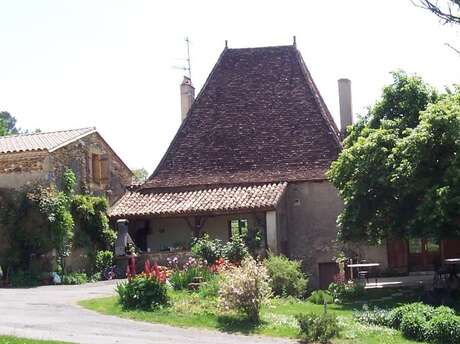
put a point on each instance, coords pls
(264, 47)
(46, 132)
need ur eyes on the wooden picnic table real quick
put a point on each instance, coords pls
(362, 265)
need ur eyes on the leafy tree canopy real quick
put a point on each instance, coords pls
(9, 123)
(399, 171)
(3, 131)
(140, 175)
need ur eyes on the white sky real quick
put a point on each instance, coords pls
(108, 63)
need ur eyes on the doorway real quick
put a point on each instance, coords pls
(424, 254)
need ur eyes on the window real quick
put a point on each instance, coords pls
(238, 227)
(100, 168)
(432, 245)
(415, 245)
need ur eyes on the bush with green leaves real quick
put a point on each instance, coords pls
(376, 316)
(180, 279)
(414, 325)
(210, 288)
(443, 328)
(318, 327)
(320, 297)
(74, 278)
(103, 260)
(142, 291)
(397, 314)
(245, 288)
(286, 277)
(207, 249)
(346, 292)
(20, 279)
(235, 250)
(90, 214)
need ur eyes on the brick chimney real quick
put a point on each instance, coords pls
(187, 95)
(346, 117)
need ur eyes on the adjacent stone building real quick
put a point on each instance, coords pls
(43, 157)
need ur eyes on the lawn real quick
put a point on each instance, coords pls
(16, 340)
(189, 310)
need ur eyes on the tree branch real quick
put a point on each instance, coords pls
(449, 13)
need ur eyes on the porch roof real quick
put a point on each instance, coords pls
(212, 200)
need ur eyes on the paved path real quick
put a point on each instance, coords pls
(51, 313)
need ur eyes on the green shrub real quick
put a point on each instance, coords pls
(244, 289)
(378, 317)
(207, 249)
(414, 325)
(443, 310)
(142, 292)
(181, 279)
(210, 288)
(346, 292)
(419, 308)
(286, 277)
(444, 328)
(73, 278)
(103, 260)
(235, 250)
(318, 327)
(320, 297)
(21, 279)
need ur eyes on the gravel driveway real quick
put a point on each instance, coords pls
(51, 313)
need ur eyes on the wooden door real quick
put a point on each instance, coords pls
(327, 272)
(397, 255)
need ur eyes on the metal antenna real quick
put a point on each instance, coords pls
(188, 67)
(187, 41)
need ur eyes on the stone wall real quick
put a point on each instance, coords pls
(77, 156)
(19, 169)
(311, 229)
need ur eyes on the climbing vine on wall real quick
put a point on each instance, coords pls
(38, 219)
(55, 205)
(90, 214)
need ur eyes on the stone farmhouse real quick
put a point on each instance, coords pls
(252, 152)
(43, 157)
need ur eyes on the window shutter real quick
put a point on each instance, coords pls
(96, 166)
(105, 170)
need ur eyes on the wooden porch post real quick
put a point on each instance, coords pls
(198, 224)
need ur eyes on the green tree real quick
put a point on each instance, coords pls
(140, 175)
(375, 205)
(3, 130)
(9, 123)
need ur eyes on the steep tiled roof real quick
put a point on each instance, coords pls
(199, 202)
(41, 141)
(259, 118)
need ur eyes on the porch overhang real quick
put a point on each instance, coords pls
(205, 201)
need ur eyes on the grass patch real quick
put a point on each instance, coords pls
(17, 340)
(277, 318)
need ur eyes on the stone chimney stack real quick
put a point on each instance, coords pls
(187, 96)
(346, 118)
